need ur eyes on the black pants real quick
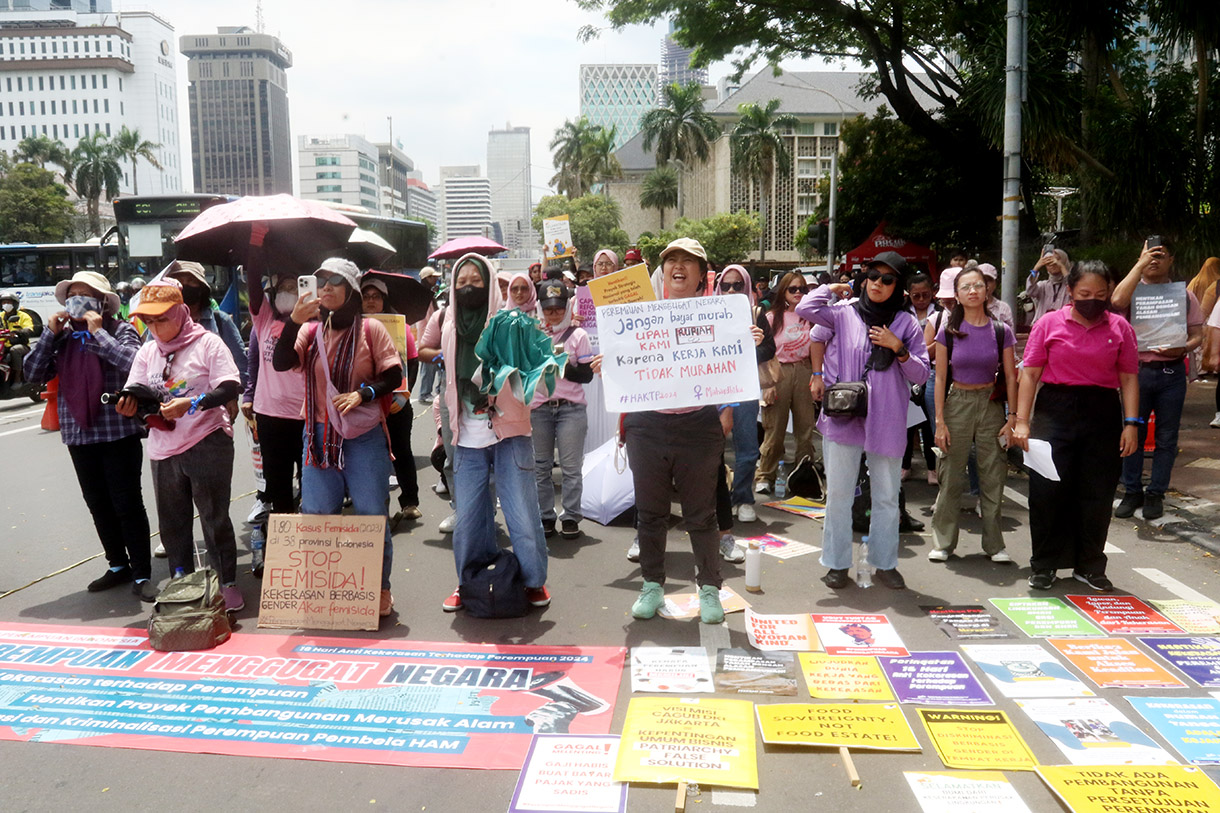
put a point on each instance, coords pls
(281, 442)
(399, 425)
(203, 474)
(1069, 519)
(684, 452)
(109, 477)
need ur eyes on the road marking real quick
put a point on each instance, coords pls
(1112, 548)
(732, 797)
(6, 416)
(713, 637)
(1016, 496)
(22, 429)
(1171, 584)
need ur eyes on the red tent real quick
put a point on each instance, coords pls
(921, 257)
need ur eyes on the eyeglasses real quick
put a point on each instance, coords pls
(603, 264)
(886, 279)
(732, 286)
(798, 289)
(334, 281)
(519, 289)
(972, 286)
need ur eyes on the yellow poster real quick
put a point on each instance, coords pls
(1109, 788)
(669, 740)
(557, 237)
(631, 284)
(871, 725)
(844, 677)
(977, 740)
(396, 325)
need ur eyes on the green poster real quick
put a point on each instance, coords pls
(1045, 617)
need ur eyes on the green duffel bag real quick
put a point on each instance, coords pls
(189, 614)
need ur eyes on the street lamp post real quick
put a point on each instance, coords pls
(1014, 95)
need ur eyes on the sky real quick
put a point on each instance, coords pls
(445, 71)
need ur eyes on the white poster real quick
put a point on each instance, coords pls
(1090, 731)
(1025, 670)
(964, 792)
(570, 773)
(672, 669)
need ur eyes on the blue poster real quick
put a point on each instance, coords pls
(1190, 724)
(1197, 658)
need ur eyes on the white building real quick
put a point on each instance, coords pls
(339, 169)
(422, 202)
(508, 170)
(68, 75)
(617, 96)
(465, 203)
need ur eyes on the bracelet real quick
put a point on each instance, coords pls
(1133, 421)
(818, 374)
(367, 393)
(195, 402)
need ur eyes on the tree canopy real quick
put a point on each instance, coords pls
(594, 220)
(34, 207)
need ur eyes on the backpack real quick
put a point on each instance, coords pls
(495, 588)
(862, 505)
(806, 480)
(189, 614)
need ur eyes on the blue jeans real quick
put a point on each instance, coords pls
(564, 424)
(474, 536)
(745, 451)
(885, 473)
(365, 477)
(426, 378)
(1163, 391)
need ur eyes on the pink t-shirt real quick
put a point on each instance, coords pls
(277, 394)
(199, 367)
(431, 337)
(579, 350)
(375, 353)
(1071, 353)
(792, 340)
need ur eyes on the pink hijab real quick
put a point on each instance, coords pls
(745, 277)
(189, 330)
(609, 254)
(531, 304)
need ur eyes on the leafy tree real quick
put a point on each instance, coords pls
(41, 150)
(594, 220)
(34, 207)
(584, 155)
(680, 128)
(129, 146)
(757, 150)
(96, 172)
(659, 191)
(727, 238)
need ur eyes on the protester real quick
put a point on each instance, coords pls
(197, 295)
(193, 372)
(430, 278)
(1213, 355)
(1049, 294)
(1077, 359)
(430, 353)
(923, 306)
(633, 257)
(1162, 386)
(998, 308)
(946, 299)
(735, 279)
(521, 294)
(791, 335)
(877, 341)
(976, 368)
(92, 352)
(350, 363)
(604, 262)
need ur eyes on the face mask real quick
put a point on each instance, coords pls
(470, 296)
(9, 307)
(285, 301)
(78, 306)
(194, 296)
(1090, 309)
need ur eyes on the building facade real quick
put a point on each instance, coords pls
(422, 202)
(617, 96)
(339, 169)
(238, 86)
(675, 63)
(508, 170)
(465, 203)
(393, 169)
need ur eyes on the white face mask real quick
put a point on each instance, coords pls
(9, 307)
(285, 301)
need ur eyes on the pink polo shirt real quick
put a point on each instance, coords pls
(1071, 353)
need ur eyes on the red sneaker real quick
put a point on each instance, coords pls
(538, 596)
(453, 603)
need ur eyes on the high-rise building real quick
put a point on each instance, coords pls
(422, 203)
(617, 96)
(675, 63)
(394, 167)
(339, 169)
(465, 203)
(68, 74)
(240, 141)
(508, 170)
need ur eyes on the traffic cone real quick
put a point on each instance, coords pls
(1150, 438)
(50, 417)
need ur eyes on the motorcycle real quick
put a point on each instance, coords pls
(9, 386)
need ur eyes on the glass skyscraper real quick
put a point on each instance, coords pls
(617, 96)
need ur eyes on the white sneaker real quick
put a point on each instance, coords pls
(448, 524)
(1215, 424)
(762, 487)
(440, 489)
(159, 552)
(938, 555)
(1002, 557)
(633, 552)
(258, 513)
(746, 513)
(729, 551)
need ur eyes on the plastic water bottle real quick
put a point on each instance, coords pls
(754, 568)
(864, 571)
(179, 572)
(781, 482)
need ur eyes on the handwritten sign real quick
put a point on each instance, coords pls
(322, 572)
(1158, 315)
(396, 325)
(677, 353)
(587, 311)
(557, 237)
(630, 284)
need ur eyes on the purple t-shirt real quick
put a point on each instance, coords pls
(975, 357)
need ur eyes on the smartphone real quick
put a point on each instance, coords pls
(1154, 241)
(1048, 249)
(307, 285)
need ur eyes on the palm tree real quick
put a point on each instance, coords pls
(598, 162)
(96, 172)
(680, 128)
(660, 191)
(568, 148)
(757, 150)
(40, 150)
(129, 146)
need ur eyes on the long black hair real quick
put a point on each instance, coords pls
(958, 314)
(780, 303)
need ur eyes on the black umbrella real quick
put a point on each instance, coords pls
(406, 295)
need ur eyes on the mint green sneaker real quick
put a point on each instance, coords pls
(652, 596)
(710, 611)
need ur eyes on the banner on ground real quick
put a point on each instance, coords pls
(778, 546)
(1197, 658)
(1146, 789)
(1113, 663)
(977, 739)
(565, 773)
(1124, 615)
(322, 572)
(859, 635)
(1090, 731)
(302, 697)
(557, 237)
(1044, 617)
(1190, 724)
(1025, 670)
(627, 285)
(677, 353)
(852, 725)
(964, 792)
(934, 679)
(1158, 315)
(1194, 617)
(670, 740)
(844, 677)
(781, 632)
(742, 672)
(966, 621)
(673, 669)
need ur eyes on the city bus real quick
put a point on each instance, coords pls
(33, 270)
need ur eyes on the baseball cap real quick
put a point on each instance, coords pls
(687, 244)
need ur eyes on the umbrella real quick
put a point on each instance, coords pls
(368, 249)
(407, 295)
(607, 491)
(465, 245)
(300, 233)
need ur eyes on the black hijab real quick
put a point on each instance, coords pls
(880, 314)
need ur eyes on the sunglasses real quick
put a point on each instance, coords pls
(798, 289)
(886, 279)
(335, 281)
(732, 286)
(169, 363)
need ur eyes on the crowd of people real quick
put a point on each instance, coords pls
(874, 364)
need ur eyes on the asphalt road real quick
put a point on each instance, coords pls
(48, 542)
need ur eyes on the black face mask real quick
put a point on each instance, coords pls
(471, 296)
(192, 295)
(1090, 309)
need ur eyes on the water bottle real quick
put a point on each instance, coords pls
(781, 482)
(179, 572)
(864, 571)
(754, 568)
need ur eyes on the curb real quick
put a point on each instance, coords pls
(1189, 527)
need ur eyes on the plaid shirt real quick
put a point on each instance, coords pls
(117, 352)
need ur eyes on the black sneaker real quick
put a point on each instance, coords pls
(111, 578)
(548, 528)
(569, 529)
(890, 578)
(146, 589)
(907, 524)
(1042, 579)
(836, 579)
(1097, 581)
(1154, 506)
(1131, 501)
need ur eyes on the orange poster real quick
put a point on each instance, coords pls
(1115, 663)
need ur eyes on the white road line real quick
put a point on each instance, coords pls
(1112, 548)
(732, 797)
(711, 638)
(1171, 584)
(22, 429)
(1016, 496)
(5, 416)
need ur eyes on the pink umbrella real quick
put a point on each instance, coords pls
(300, 232)
(465, 245)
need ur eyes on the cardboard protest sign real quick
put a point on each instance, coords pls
(1197, 658)
(1190, 724)
(742, 672)
(322, 572)
(567, 772)
(964, 792)
(557, 237)
(934, 679)
(859, 635)
(966, 621)
(396, 325)
(1114, 663)
(630, 284)
(680, 606)
(880, 727)
(1144, 789)
(1090, 731)
(800, 506)
(1158, 315)
(670, 740)
(585, 309)
(977, 740)
(844, 677)
(791, 632)
(677, 353)
(1194, 617)
(675, 669)
(778, 546)
(1043, 617)
(1124, 615)
(1025, 670)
